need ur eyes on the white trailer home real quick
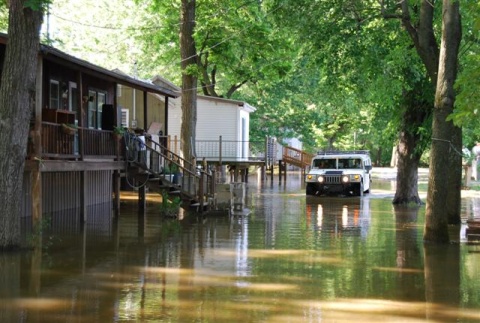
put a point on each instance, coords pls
(216, 118)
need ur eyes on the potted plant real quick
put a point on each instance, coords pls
(169, 206)
(173, 172)
(119, 132)
(69, 128)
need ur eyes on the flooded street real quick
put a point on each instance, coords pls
(291, 259)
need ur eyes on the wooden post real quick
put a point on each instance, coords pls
(280, 169)
(201, 192)
(165, 126)
(220, 150)
(36, 175)
(142, 197)
(83, 197)
(81, 116)
(223, 175)
(145, 111)
(213, 188)
(116, 191)
(175, 144)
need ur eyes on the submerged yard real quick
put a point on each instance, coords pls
(290, 259)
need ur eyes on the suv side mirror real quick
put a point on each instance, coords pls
(368, 167)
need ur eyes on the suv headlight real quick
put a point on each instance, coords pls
(345, 178)
(321, 179)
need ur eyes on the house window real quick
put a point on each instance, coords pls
(54, 94)
(96, 100)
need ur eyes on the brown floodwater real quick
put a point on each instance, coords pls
(285, 258)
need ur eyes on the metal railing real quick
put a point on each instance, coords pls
(221, 149)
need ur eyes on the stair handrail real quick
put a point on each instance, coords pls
(304, 160)
(186, 167)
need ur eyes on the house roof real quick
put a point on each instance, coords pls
(54, 55)
(60, 57)
(164, 82)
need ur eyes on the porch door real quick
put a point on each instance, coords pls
(96, 100)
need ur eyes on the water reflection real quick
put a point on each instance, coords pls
(408, 264)
(292, 259)
(339, 215)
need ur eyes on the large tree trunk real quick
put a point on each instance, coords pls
(422, 35)
(17, 94)
(454, 192)
(189, 79)
(408, 151)
(436, 228)
(407, 174)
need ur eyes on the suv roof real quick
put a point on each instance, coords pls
(343, 152)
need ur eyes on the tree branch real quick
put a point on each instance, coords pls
(235, 87)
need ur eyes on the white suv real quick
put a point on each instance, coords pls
(345, 172)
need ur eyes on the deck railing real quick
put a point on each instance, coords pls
(221, 149)
(61, 143)
(98, 142)
(296, 157)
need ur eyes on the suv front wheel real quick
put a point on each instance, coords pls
(310, 189)
(358, 189)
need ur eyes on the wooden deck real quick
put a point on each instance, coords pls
(77, 162)
(79, 168)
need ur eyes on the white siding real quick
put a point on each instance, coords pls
(175, 117)
(214, 119)
(229, 119)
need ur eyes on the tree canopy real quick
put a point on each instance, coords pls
(327, 72)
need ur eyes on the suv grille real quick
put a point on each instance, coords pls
(333, 179)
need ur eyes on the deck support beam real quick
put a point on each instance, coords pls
(116, 192)
(83, 197)
(36, 135)
(142, 197)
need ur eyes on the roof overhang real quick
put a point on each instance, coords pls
(56, 56)
(243, 105)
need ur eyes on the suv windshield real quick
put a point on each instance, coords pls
(350, 163)
(325, 163)
(343, 163)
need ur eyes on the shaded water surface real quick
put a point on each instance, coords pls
(291, 259)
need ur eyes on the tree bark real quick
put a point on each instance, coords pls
(188, 55)
(436, 226)
(407, 175)
(454, 194)
(408, 151)
(17, 97)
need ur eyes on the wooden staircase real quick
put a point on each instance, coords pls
(296, 157)
(164, 171)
